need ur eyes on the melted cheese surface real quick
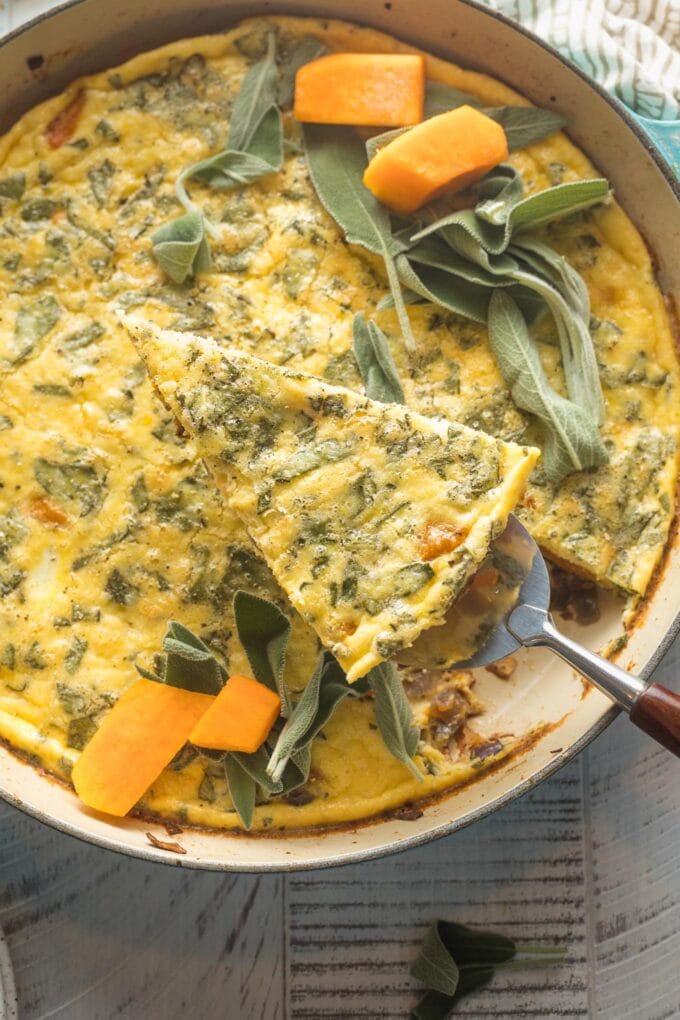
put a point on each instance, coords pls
(110, 524)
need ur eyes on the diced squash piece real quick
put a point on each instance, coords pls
(240, 717)
(141, 734)
(373, 89)
(443, 154)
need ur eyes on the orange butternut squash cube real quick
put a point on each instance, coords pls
(240, 717)
(373, 89)
(443, 154)
(141, 734)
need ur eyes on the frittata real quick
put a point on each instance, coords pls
(110, 524)
(371, 517)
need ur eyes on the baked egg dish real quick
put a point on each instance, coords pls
(115, 519)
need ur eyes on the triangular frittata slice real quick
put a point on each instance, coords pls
(371, 517)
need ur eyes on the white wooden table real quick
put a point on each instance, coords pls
(588, 860)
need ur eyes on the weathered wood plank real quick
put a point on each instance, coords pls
(94, 935)
(353, 934)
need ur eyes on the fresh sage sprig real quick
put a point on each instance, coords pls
(181, 248)
(324, 691)
(461, 259)
(254, 150)
(393, 715)
(188, 663)
(255, 140)
(336, 159)
(455, 960)
(376, 365)
(570, 439)
(283, 762)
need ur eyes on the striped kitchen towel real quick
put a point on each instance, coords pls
(631, 47)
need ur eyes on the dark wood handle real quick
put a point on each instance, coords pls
(657, 712)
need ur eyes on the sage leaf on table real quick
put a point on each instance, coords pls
(180, 247)
(455, 960)
(393, 715)
(188, 664)
(435, 966)
(571, 443)
(376, 365)
(307, 49)
(264, 632)
(242, 789)
(336, 159)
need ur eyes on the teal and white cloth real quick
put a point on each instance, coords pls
(631, 47)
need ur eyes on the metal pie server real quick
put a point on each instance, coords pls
(652, 707)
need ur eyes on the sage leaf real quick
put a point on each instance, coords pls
(571, 442)
(307, 49)
(500, 190)
(266, 143)
(376, 365)
(264, 632)
(230, 169)
(544, 260)
(456, 960)
(189, 663)
(255, 765)
(376, 142)
(553, 203)
(524, 125)
(296, 772)
(180, 247)
(242, 789)
(325, 690)
(433, 1006)
(443, 288)
(33, 322)
(495, 233)
(472, 946)
(256, 97)
(440, 98)
(336, 159)
(578, 353)
(435, 966)
(393, 715)
(297, 724)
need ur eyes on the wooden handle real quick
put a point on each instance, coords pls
(657, 712)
